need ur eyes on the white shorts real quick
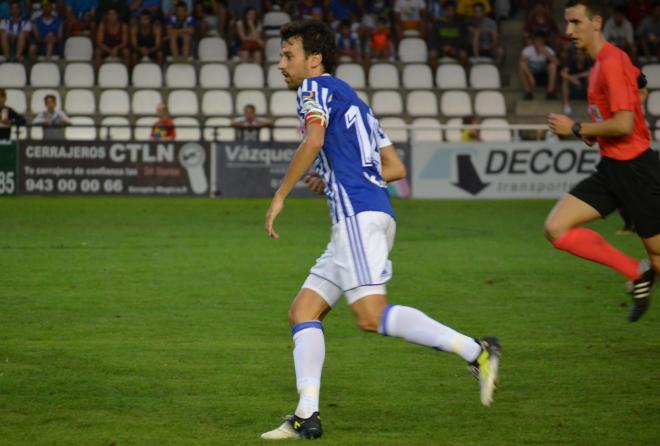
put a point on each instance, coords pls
(355, 262)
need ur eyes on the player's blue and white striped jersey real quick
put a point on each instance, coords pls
(349, 161)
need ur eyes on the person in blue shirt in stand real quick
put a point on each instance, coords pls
(47, 32)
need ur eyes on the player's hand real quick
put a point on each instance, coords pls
(560, 125)
(276, 206)
(314, 182)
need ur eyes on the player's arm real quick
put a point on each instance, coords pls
(392, 168)
(299, 165)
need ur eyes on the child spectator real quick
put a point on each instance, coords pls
(538, 67)
(485, 37)
(249, 36)
(47, 33)
(380, 44)
(80, 17)
(146, 38)
(14, 33)
(112, 38)
(348, 45)
(619, 31)
(181, 27)
(163, 129)
(575, 78)
(447, 37)
(649, 34)
(52, 120)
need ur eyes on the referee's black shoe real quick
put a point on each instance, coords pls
(641, 293)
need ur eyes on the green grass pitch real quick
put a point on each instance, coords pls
(163, 322)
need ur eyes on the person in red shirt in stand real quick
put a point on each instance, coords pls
(628, 174)
(163, 129)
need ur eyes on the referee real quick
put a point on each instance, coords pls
(628, 174)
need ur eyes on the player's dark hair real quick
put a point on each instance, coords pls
(317, 38)
(593, 7)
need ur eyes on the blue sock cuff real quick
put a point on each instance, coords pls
(305, 325)
(383, 319)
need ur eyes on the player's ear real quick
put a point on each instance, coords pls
(315, 60)
(597, 20)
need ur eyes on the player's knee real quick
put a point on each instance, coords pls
(553, 230)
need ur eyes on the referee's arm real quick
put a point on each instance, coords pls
(621, 123)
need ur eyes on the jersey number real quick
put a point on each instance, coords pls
(365, 139)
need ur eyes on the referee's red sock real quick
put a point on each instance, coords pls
(592, 246)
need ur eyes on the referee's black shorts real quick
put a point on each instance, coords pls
(633, 184)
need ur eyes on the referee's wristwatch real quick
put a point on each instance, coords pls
(576, 129)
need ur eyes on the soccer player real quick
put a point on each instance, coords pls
(628, 174)
(354, 158)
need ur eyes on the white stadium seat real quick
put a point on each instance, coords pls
(417, 76)
(395, 129)
(16, 100)
(113, 132)
(180, 76)
(79, 74)
(422, 103)
(187, 129)
(653, 103)
(37, 133)
(183, 103)
(426, 130)
(147, 75)
(12, 75)
(364, 96)
(144, 102)
(45, 74)
(283, 103)
(217, 103)
(455, 103)
(485, 76)
(489, 103)
(412, 49)
(387, 102)
(450, 76)
(273, 21)
(656, 132)
(254, 97)
(79, 101)
(652, 72)
(81, 129)
(19, 132)
(275, 79)
(248, 75)
(212, 49)
(273, 46)
(143, 126)
(218, 129)
(286, 129)
(214, 75)
(383, 75)
(501, 132)
(37, 100)
(352, 73)
(453, 130)
(114, 102)
(113, 75)
(78, 49)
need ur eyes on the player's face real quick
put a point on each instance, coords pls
(293, 63)
(579, 27)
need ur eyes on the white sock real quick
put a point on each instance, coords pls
(308, 357)
(416, 327)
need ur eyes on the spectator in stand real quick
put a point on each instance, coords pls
(380, 45)
(211, 16)
(410, 16)
(180, 29)
(466, 8)
(47, 33)
(470, 134)
(447, 37)
(248, 30)
(247, 126)
(371, 11)
(339, 10)
(309, 9)
(80, 17)
(538, 67)
(648, 34)
(51, 119)
(168, 7)
(540, 21)
(135, 8)
(348, 44)
(146, 39)
(575, 78)
(485, 37)
(14, 33)
(163, 129)
(619, 31)
(8, 117)
(112, 38)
